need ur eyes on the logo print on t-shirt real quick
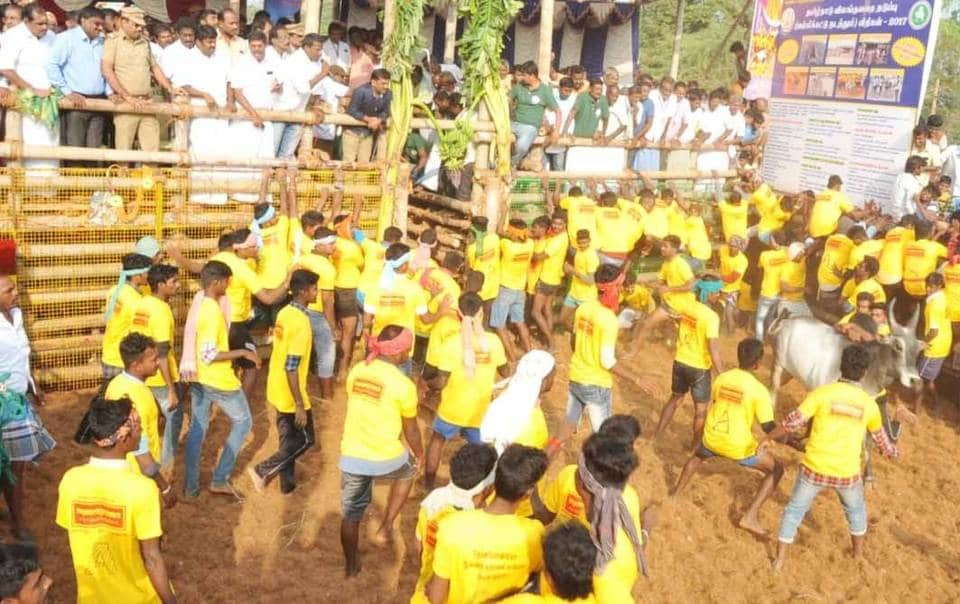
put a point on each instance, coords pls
(99, 514)
(368, 388)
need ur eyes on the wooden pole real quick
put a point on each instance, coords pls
(450, 32)
(677, 37)
(936, 96)
(546, 39)
(14, 128)
(389, 17)
(311, 16)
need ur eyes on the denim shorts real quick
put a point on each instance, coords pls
(324, 347)
(929, 368)
(691, 379)
(356, 490)
(597, 400)
(748, 462)
(572, 302)
(450, 431)
(509, 305)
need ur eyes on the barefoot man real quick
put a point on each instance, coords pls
(739, 398)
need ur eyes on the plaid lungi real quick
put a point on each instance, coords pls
(26, 439)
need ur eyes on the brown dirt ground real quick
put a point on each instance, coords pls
(274, 548)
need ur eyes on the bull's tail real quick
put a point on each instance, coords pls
(776, 324)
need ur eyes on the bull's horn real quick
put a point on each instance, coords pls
(912, 323)
(892, 314)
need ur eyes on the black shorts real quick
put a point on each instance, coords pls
(345, 303)
(240, 338)
(693, 380)
(547, 290)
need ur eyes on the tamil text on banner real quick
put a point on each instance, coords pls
(845, 81)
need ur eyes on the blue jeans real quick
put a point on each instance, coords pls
(234, 405)
(286, 137)
(764, 306)
(597, 400)
(557, 161)
(324, 348)
(525, 134)
(805, 491)
(174, 424)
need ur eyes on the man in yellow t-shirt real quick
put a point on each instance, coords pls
(465, 380)
(215, 383)
(793, 282)
(112, 513)
(287, 384)
(738, 399)
(271, 228)
(698, 355)
(139, 355)
(516, 254)
(581, 213)
(616, 232)
(582, 285)
(483, 254)
(938, 334)
(828, 207)
(551, 260)
(121, 302)
(381, 404)
(153, 317)
(733, 265)
(891, 256)
(348, 259)
(832, 268)
(921, 258)
(471, 484)
(863, 280)
(733, 216)
(487, 554)
(674, 286)
(841, 414)
(321, 312)
(569, 561)
(771, 263)
(951, 288)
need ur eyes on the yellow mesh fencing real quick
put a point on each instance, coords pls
(72, 226)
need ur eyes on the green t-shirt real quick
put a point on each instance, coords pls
(415, 143)
(532, 103)
(589, 114)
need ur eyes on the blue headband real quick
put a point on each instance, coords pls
(256, 223)
(389, 275)
(124, 275)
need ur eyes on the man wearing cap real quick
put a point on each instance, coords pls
(295, 36)
(127, 66)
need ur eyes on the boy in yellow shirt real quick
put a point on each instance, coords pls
(842, 414)
(112, 513)
(772, 262)
(938, 335)
(733, 216)
(465, 377)
(829, 206)
(214, 383)
(863, 280)
(287, 385)
(487, 554)
(139, 355)
(516, 253)
(471, 483)
(921, 258)
(616, 232)
(381, 405)
(121, 303)
(733, 265)
(483, 254)
(322, 311)
(153, 317)
(569, 560)
(739, 399)
(581, 213)
(271, 229)
(582, 285)
(832, 267)
(674, 284)
(891, 256)
(552, 260)
(348, 258)
(793, 282)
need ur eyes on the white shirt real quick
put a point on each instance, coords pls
(173, 60)
(208, 74)
(156, 51)
(255, 80)
(735, 122)
(24, 53)
(15, 352)
(951, 163)
(681, 119)
(296, 71)
(664, 108)
(337, 53)
(330, 92)
(620, 116)
(714, 123)
(694, 125)
(904, 199)
(566, 105)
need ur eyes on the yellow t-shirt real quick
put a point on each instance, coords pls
(615, 231)
(746, 301)
(486, 556)
(733, 219)
(535, 434)
(536, 266)
(348, 260)
(379, 396)
(488, 263)
(951, 278)
(515, 257)
(274, 257)
(107, 510)
(212, 331)
(935, 317)
(891, 257)
(153, 317)
(772, 262)
(634, 210)
(324, 269)
(793, 274)
(773, 218)
(449, 288)
(373, 261)
(142, 398)
(738, 399)
(465, 399)
(656, 224)
(581, 214)
(827, 209)
(698, 324)
(763, 198)
(447, 326)
(920, 258)
(851, 289)
(638, 298)
(560, 497)
(292, 337)
(555, 248)
(676, 220)
(399, 306)
(243, 284)
(698, 242)
(836, 255)
(119, 324)
(676, 272)
(870, 247)
(730, 265)
(595, 328)
(841, 413)
(585, 262)
(528, 598)
(426, 533)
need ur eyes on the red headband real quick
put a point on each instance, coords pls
(398, 345)
(610, 292)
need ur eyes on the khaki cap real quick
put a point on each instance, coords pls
(296, 29)
(134, 14)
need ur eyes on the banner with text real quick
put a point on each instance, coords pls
(845, 79)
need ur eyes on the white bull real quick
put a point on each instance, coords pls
(810, 350)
